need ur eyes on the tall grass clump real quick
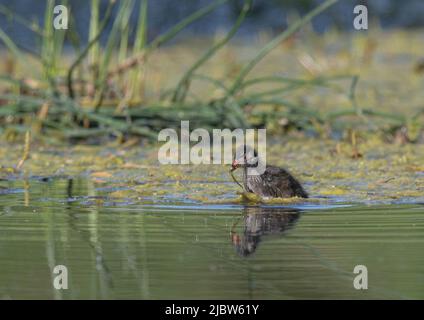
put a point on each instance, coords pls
(93, 89)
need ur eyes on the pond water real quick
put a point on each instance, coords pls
(163, 251)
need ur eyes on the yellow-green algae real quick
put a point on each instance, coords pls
(385, 172)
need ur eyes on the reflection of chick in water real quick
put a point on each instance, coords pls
(260, 222)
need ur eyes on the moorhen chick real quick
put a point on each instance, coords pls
(274, 182)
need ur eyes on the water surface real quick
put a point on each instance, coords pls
(162, 251)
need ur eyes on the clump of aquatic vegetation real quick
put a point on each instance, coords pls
(128, 88)
(121, 174)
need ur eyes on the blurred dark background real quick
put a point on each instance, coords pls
(267, 15)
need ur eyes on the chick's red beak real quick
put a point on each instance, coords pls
(235, 165)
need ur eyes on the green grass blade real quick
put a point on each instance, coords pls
(141, 34)
(47, 50)
(183, 85)
(184, 23)
(93, 32)
(136, 85)
(8, 42)
(108, 51)
(9, 14)
(276, 41)
(125, 31)
(91, 43)
(168, 35)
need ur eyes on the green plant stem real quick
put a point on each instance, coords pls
(276, 41)
(183, 85)
(168, 35)
(124, 8)
(87, 49)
